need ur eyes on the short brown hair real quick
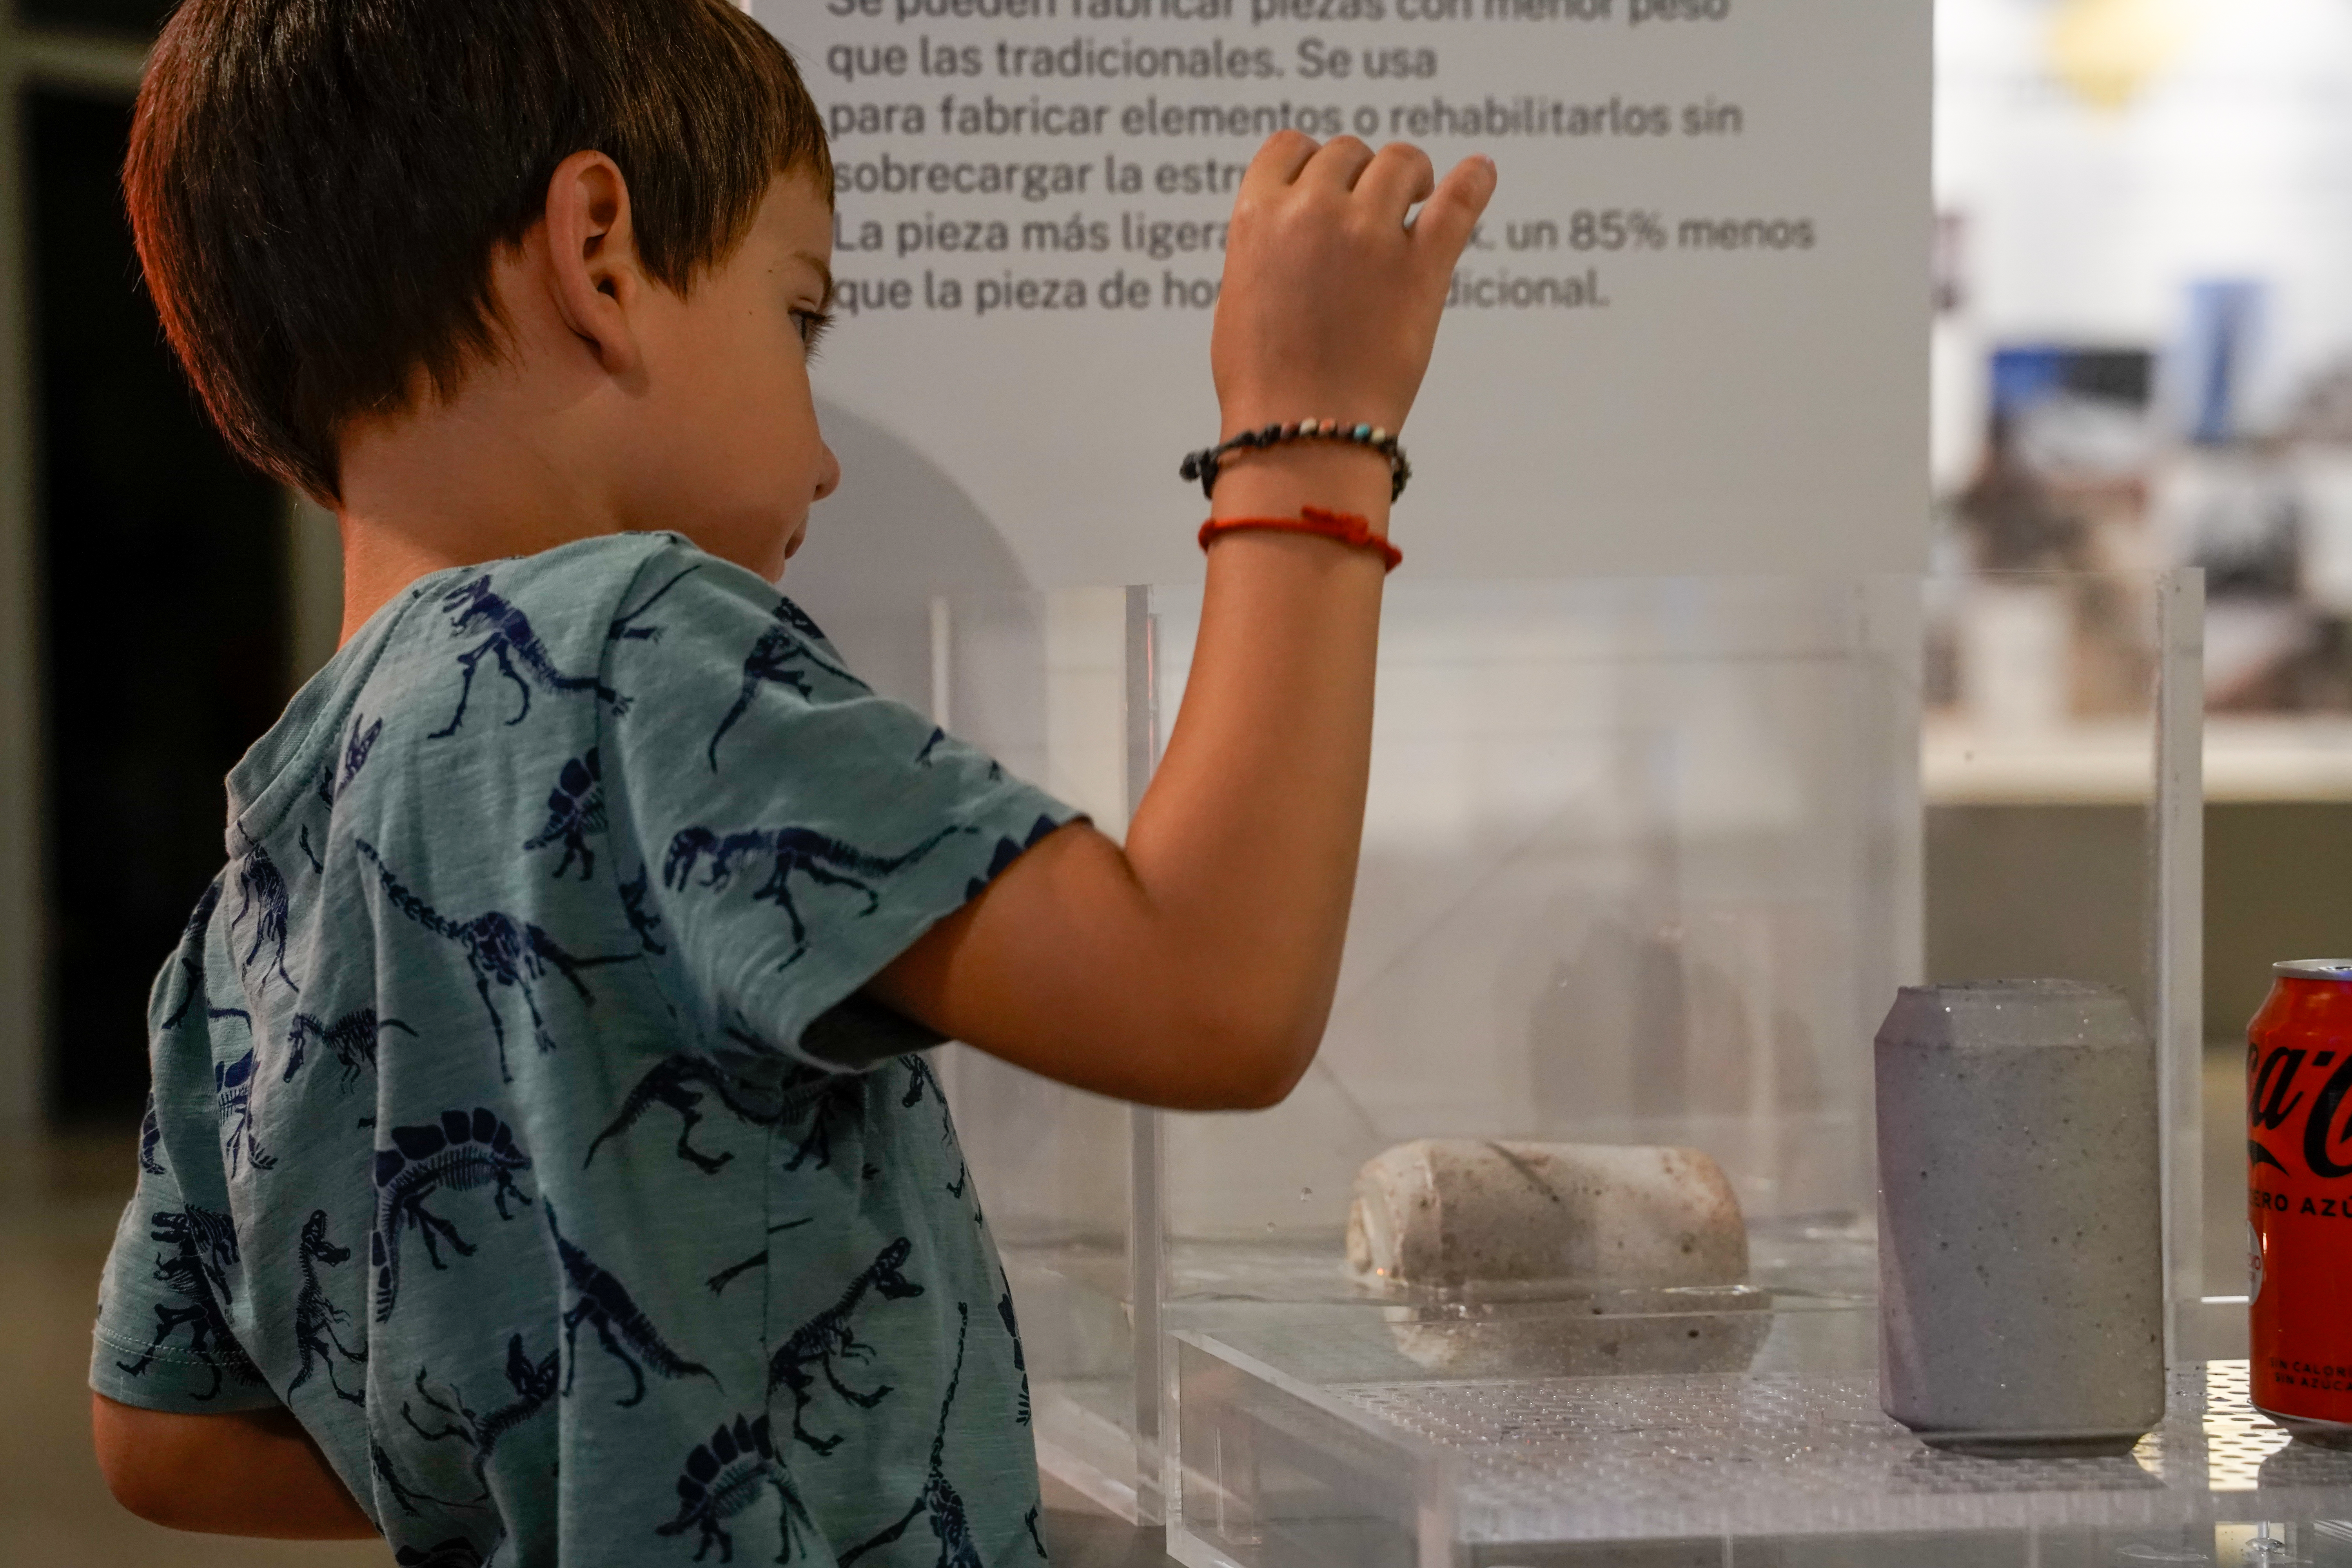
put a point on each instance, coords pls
(318, 187)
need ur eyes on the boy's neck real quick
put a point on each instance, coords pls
(492, 473)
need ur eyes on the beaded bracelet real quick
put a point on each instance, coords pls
(1343, 528)
(1204, 465)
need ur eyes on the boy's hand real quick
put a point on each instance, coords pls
(1330, 303)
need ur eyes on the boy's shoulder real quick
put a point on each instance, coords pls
(588, 595)
(529, 659)
(601, 629)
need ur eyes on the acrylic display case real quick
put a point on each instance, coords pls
(1643, 864)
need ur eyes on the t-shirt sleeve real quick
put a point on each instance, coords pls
(796, 831)
(163, 1340)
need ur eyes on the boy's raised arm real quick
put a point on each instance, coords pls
(1194, 968)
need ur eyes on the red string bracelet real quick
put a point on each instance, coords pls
(1341, 527)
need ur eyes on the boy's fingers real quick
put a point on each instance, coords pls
(1447, 217)
(1341, 162)
(1400, 176)
(1278, 162)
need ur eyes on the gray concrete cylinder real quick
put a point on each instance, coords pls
(2020, 1219)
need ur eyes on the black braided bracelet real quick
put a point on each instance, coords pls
(1204, 464)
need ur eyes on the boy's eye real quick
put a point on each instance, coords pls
(812, 325)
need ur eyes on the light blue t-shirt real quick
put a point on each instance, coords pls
(506, 1123)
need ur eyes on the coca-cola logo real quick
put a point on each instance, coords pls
(2278, 1089)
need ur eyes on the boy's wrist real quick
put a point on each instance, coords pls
(1279, 481)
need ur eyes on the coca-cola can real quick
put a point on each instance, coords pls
(2299, 1181)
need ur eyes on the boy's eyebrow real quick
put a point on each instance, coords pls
(824, 272)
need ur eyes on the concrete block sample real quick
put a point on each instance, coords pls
(2019, 1231)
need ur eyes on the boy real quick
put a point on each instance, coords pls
(539, 1170)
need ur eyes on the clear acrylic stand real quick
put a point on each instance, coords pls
(1643, 864)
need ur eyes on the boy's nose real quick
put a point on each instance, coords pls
(828, 472)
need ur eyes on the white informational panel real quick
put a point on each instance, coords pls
(1691, 337)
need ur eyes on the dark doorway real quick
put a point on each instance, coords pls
(163, 589)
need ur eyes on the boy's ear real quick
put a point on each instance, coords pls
(593, 257)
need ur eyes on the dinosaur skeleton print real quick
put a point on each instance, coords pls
(489, 1133)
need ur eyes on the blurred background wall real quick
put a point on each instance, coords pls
(2143, 357)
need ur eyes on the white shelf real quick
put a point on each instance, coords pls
(2107, 763)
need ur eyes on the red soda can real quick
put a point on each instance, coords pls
(2299, 1181)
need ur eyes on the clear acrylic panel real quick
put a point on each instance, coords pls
(1639, 865)
(1040, 682)
(2062, 775)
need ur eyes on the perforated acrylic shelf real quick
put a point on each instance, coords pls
(1293, 1471)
